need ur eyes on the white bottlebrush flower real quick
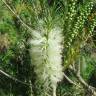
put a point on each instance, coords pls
(46, 56)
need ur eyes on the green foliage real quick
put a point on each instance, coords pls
(77, 19)
(69, 90)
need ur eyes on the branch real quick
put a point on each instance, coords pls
(70, 81)
(23, 23)
(82, 81)
(90, 88)
(77, 71)
(15, 79)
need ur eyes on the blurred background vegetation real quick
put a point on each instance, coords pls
(79, 47)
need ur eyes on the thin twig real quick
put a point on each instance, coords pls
(13, 78)
(82, 81)
(70, 81)
(14, 12)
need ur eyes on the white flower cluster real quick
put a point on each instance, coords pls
(46, 54)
